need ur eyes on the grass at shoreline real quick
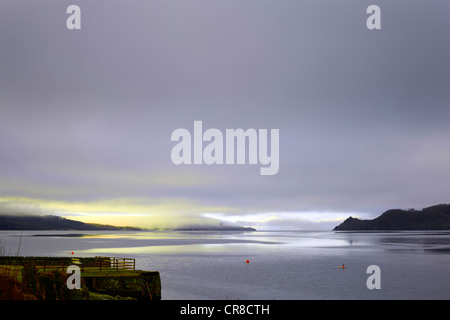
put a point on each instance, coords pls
(27, 283)
(11, 288)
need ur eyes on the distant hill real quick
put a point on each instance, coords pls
(49, 222)
(432, 218)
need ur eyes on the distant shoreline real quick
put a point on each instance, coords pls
(50, 222)
(56, 223)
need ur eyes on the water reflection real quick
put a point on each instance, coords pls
(438, 241)
(54, 242)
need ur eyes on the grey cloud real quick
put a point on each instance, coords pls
(362, 115)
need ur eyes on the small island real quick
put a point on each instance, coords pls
(432, 218)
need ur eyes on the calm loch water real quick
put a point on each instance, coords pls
(282, 265)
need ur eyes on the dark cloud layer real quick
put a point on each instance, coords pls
(363, 115)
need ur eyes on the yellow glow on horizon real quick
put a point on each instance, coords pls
(162, 213)
(121, 205)
(137, 212)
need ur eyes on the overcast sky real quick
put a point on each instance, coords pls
(86, 115)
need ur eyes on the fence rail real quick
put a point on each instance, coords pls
(107, 263)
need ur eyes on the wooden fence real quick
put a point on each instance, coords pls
(85, 264)
(108, 263)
